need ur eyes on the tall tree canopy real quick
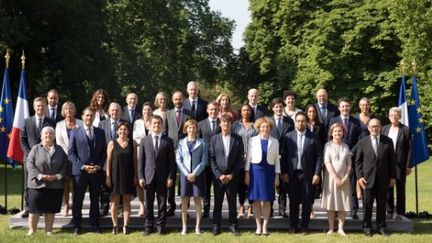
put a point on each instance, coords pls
(350, 47)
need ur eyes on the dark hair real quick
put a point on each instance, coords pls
(226, 117)
(287, 93)
(316, 112)
(157, 117)
(126, 124)
(250, 109)
(301, 113)
(344, 99)
(277, 100)
(148, 104)
(93, 101)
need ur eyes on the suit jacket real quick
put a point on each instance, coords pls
(332, 111)
(205, 130)
(156, 165)
(403, 150)
(175, 132)
(373, 167)
(354, 130)
(312, 157)
(58, 113)
(39, 161)
(254, 154)
(105, 125)
(201, 110)
(125, 115)
(194, 162)
(224, 166)
(287, 126)
(260, 112)
(83, 151)
(62, 138)
(30, 136)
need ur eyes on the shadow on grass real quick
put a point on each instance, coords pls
(422, 226)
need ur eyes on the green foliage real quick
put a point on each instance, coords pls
(352, 48)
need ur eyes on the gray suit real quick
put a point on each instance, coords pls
(175, 131)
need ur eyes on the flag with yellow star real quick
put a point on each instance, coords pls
(420, 152)
(6, 118)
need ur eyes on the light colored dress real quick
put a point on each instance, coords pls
(333, 197)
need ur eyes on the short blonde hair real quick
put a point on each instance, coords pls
(157, 97)
(68, 103)
(395, 109)
(189, 123)
(261, 121)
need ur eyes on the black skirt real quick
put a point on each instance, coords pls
(45, 200)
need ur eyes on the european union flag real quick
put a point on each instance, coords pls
(6, 118)
(420, 150)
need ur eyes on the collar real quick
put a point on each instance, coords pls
(158, 134)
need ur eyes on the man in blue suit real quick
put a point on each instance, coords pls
(87, 151)
(301, 163)
(353, 131)
(194, 104)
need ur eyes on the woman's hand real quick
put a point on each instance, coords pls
(108, 181)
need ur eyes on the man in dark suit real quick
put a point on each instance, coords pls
(156, 169)
(376, 172)
(301, 163)
(352, 131)
(131, 112)
(207, 129)
(194, 104)
(282, 125)
(31, 135)
(326, 110)
(257, 110)
(53, 110)
(87, 152)
(402, 144)
(226, 159)
(176, 118)
(109, 126)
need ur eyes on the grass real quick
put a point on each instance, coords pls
(422, 228)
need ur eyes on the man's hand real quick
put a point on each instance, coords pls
(142, 183)
(362, 181)
(392, 182)
(169, 183)
(108, 181)
(285, 178)
(191, 177)
(315, 180)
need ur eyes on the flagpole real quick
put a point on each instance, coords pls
(23, 58)
(7, 57)
(414, 68)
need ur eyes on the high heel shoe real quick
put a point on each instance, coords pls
(114, 230)
(126, 230)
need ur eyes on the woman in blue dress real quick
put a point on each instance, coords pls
(191, 159)
(262, 172)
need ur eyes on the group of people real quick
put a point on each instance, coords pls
(117, 152)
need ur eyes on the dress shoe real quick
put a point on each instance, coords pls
(235, 231)
(354, 216)
(115, 230)
(206, 214)
(368, 233)
(170, 213)
(25, 214)
(283, 214)
(97, 230)
(126, 230)
(383, 232)
(215, 231)
(147, 231)
(161, 230)
(304, 231)
(77, 231)
(103, 213)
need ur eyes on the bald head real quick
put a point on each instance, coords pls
(252, 96)
(374, 127)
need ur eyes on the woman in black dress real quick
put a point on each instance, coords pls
(121, 174)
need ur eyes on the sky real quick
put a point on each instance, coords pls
(236, 10)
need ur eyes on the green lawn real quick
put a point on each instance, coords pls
(423, 228)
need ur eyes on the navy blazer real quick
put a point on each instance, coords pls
(125, 115)
(354, 130)
(224, 166)
(260, 112)
(312, 157)
(200, 111)
(332, 111)
(403, 151)
(82, 151)
(58, 113)
(30, 136)
(158, 165)
(287, 126)
(205, 130)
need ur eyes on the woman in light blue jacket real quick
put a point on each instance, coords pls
(192, 158)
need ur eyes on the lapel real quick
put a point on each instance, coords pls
(198, 142)
(399, 136)
(231, 145)
(371, 147)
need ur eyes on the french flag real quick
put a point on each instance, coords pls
(402, 103)
(15, 151)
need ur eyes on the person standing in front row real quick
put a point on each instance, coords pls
(301, 163)
(336, 194)
(262, 172)
(156, 169)
(87, 152)
(192, 159)
(376, 172)
(227, 159)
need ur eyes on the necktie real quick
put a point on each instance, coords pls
(178, 117)
(323, 110)
(131, 115)
(113, 130)
(375, 145)
(193, 106)
(213, 126)
(156, 144)
(53, 114)
(40, 125)
(89, 133)
(299, 150)
(279, 125)
(345, 124)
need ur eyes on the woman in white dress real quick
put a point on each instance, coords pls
(336, 194)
